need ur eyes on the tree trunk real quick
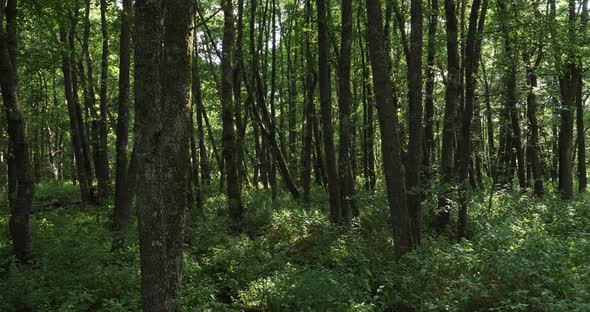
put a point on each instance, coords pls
(122, 198)
(149, 31)
(236, 210)
(308, 109)
(326, 110)
(19, 168)
(102, 168)
(569, 84)
(292, 91)
(581, 139)
(390, 143)
(534, 128)
(344, 104)
(453, 86)
(414, 161)
(272, 160)
(464, 149)
(163, 79)
(204, 159)
(198, 194)
(237, 90)
(368, 133)
(76, 127)
(429, 92)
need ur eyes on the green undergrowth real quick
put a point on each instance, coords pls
(524, 254)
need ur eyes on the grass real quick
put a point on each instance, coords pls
(523, 255)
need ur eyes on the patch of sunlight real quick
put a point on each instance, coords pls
(45, 224)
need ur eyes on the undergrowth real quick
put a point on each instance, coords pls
(524, 254)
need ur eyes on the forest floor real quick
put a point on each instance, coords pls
(524, 254)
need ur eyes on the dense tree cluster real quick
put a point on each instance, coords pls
(149, 102)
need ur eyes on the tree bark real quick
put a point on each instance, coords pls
(102, 168)
(368, 132)
(534, 128)
(326, 110)
(149, 31)
(581, 139)
(163, 81)
(390, 143)
(344, 104)
(464, 149)
(453, 86)
(19, 168)
(77, 129)
(429, 92)
(236, 210)
(197, 93)
(308, 109)
(414, 161)
(122, 198)
(272, 160)
(569, 84)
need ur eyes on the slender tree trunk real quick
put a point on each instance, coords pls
(292, 90)
(102, 168)
(581, 139)
(414, 161)
(429, 92)
(489, 121)
(308, 109)
(344, 104)
(204, 159)
(237, 89)
(390, 143)
(321, 177)
(198, 193)
(19, 173)
(326, 110)
(569, 85)
(91, 126)
(236, 210)
(534, 128)
(77, 130)
(272, 160)
(122, 198)
(368, 132)
(464, 149)
(453, 86)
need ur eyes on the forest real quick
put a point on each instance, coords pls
(294, 155)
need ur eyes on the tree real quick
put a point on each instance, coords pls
(79, 143)
(102, 168)
(326, 110)
(531, 71)
(429, 91)
(236, 209)
(472, 51)
(344, 104)
(21, 194)
(580, 130)
(388, 123)
(568, 81)
(162, 101)
(122, 198)
(415, 143)
(452, 90)
(308, 110)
